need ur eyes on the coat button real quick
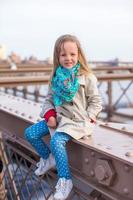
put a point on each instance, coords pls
(71, 103)
(73, 117)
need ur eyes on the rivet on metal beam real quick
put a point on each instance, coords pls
(92, 173)
(12, 135)
(125, 190)
(23, 114)
(92, 153)
(109, 148)
(87, 160)
(16, 111)
(99, 144)
(127, 168)
(106, 124)
(30, 117)
(129, 154)
(123, 128)
(85, 137)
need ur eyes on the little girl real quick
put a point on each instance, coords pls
(70, 108)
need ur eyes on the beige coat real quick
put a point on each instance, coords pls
(73, 118)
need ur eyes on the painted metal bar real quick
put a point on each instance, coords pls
(27, 80)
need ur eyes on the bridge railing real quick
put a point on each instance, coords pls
(115, 89)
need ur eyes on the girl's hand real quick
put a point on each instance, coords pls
(52, 123)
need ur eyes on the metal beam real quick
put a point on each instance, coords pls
(35, 80)
(103, 161)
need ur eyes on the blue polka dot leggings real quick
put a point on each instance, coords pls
(58, 142)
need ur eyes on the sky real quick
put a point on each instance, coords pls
(104, 27)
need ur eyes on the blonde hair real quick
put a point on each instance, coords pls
(84, 69)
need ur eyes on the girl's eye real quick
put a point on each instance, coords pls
(62, 54)
(72, 54)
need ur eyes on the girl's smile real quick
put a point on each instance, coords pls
(68, 56)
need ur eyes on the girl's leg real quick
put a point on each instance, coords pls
(64, 184)
(58, 148)
(34, 136)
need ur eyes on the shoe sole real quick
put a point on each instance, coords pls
(45, 171)
(67, 197)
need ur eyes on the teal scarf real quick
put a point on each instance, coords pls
(65, 84)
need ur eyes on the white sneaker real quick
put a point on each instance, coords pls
(63, 189)
(44, 165)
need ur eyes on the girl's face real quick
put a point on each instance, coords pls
(68, 56)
